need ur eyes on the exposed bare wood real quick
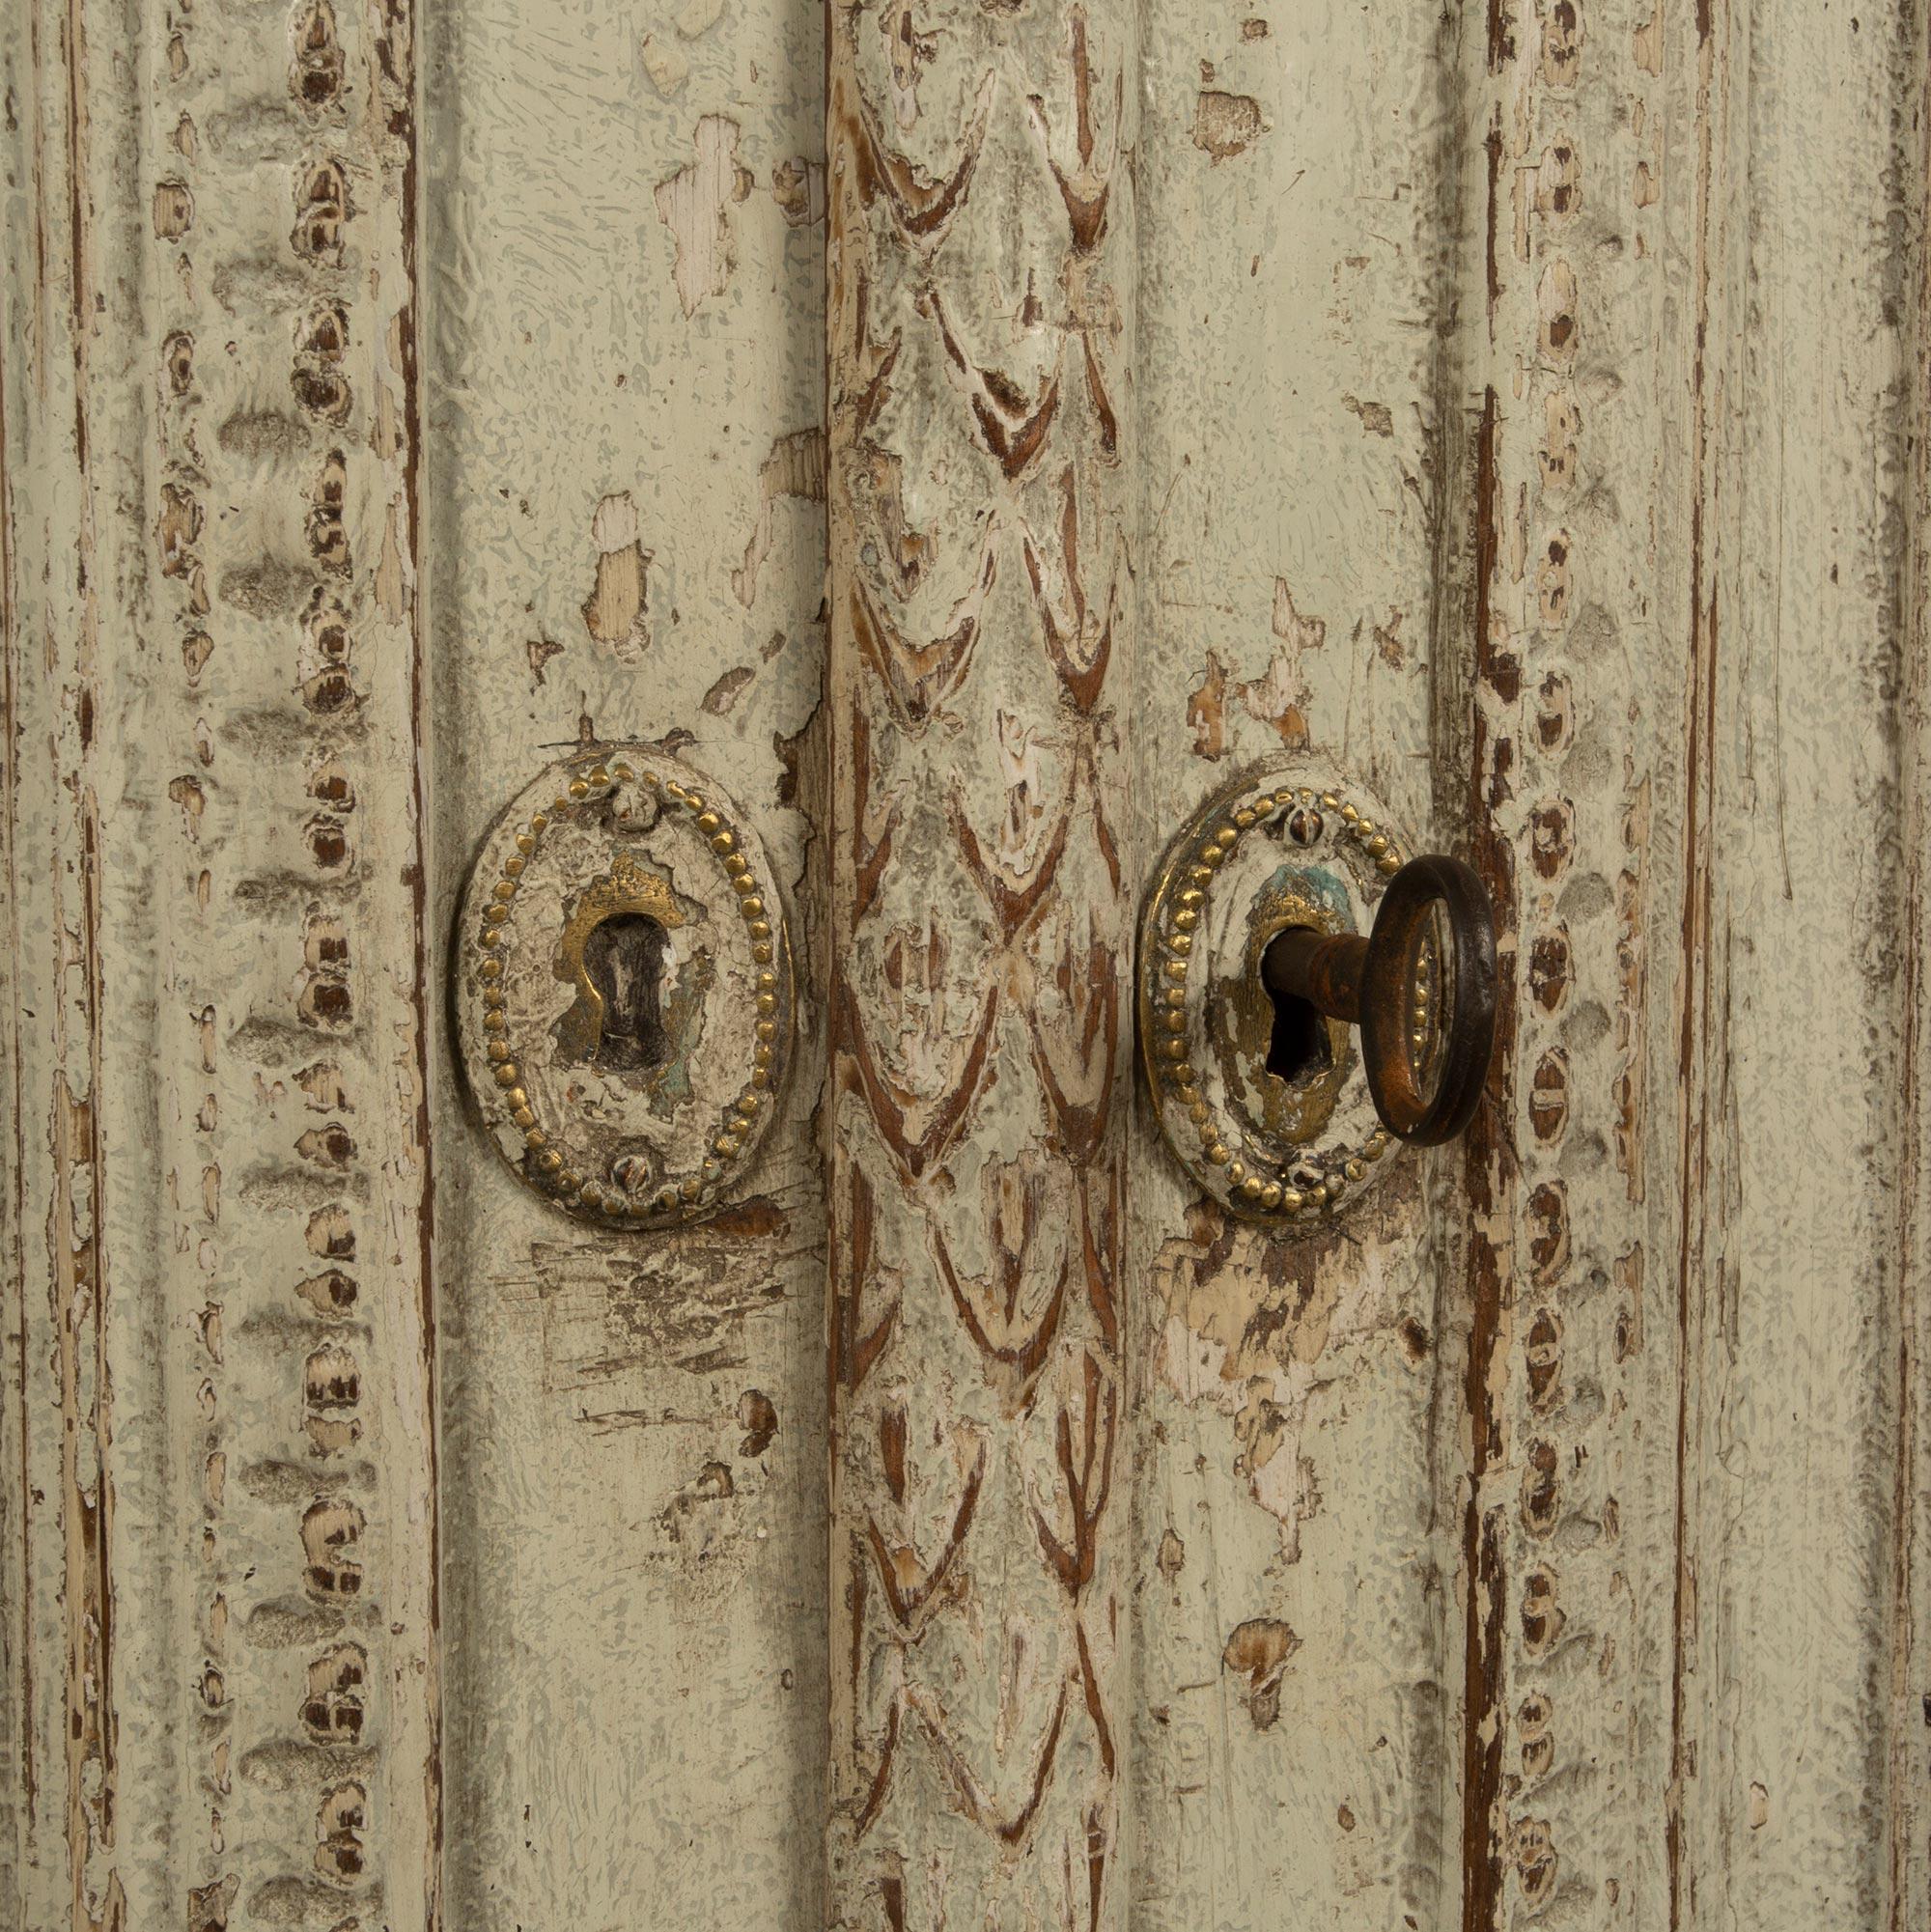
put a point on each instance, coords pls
(983, 502)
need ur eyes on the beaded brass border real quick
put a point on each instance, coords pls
(1247, 1180)
(680, 1197)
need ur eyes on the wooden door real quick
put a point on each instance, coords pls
(1517, 409)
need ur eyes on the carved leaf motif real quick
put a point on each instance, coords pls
(919, 678)
(1010, 424)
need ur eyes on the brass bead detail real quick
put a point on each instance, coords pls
(767, 1030)
(1290, 1199)
(507, 1075)
(1354, 1170)
(758, 929)
(505, 888)
(1181, 943)
(490, 970)
(751, 907)
(500, 1049)
(1173, 1050)
(495, 1023)
(709, 822)
(1271, 1194)
(1250, 1188)
(736, 865)
(1186, 920)
(600, 774)
(524, 1117)
(578, 789)
(514, 865)
(539, 823)
(525, 842)
(1377, 845)
(760, 951)
(625, 772)
(549, 1160)
(536, 1137)
(1218, 1154)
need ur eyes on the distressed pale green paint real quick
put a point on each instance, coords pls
(1601, 330)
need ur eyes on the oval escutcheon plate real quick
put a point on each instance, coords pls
(1284, 846)
(624, 993)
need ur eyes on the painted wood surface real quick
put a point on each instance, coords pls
(223, 1704)
(982, 497)
(626, 527)
(1521, 406)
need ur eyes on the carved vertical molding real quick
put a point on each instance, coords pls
(982, 502)
(288, 377)
(1562, 280)
(228, 1663)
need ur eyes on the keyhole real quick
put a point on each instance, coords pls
(1299, 1046)
(623, 960)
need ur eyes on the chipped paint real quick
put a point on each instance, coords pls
(695, 203)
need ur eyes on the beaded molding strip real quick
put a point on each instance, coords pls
(1251, 1173)
(551, 1155)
